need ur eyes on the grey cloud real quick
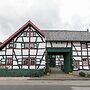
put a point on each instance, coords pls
(43, 13)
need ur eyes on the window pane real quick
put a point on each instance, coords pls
(32, 61)
(31, 45)
(28, 34)
(25, 61)
(26, 45)
(9, 61)
(83, 45)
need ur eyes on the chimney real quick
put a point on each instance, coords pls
(87, 30)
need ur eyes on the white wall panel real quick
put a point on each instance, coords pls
(9, 52)
(18, 52)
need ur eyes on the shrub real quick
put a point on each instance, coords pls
(82, 74)
(88, 75)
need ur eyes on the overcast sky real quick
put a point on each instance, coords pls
(45, 14)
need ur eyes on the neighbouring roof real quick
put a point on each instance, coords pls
(65, 35)
(29, 23)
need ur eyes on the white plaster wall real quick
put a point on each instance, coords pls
(32, 52)
(26, 39)
(41, 45)
(25, 52)
(33, 39)
(77, 58)
(9, 52)
(18, 52)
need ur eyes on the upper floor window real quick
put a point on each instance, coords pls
(83, 45)
(29, 45)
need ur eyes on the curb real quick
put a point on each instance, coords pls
(60, 79)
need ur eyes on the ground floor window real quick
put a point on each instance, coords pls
(32, 61)
(9, 61)
(25, 61)
(29, 61)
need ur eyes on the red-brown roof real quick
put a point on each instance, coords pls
(29, 23)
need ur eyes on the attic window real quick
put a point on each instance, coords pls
(28, 34)
(31, 34)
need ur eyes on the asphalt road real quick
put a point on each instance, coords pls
(33, 87)
(44, 85)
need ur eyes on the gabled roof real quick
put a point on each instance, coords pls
(29, 23)
(65, 35)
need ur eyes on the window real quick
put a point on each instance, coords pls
(22, 45)
(24, 34)
(83, 45)
(29, 45)
(25, 61)
(26, 45)
(85, 61)
(36, 45)
(28, 33)
(9, 61)
(31, 34)
(32, 61)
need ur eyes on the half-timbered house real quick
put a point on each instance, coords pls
(31, 49)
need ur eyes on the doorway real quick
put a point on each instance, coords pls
(51, 58)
